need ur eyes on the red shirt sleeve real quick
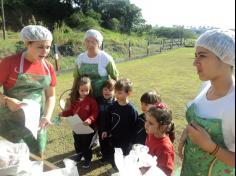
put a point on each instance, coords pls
(5, 67)
(94, 111)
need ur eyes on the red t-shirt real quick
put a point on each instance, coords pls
(86, 109)
(10, 66)
(163, 149)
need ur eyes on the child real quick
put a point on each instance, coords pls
(103, 103)
(121, 118)
(161, 135)
(148, 100)
(86, 107)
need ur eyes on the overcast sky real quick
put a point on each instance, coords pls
(215, 13)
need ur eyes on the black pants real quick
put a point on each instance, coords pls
(106, 147)
(83, 145)
(124, 144)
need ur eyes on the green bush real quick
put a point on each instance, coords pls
(88, 23)
(113, 24)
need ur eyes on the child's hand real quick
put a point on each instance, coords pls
(104, 135)
(87, 122)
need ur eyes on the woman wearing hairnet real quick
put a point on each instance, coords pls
(28, 76)
(209, 138)
(96, 64)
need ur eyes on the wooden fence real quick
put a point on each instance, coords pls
(123, 52)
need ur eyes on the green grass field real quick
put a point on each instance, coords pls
(170, 73)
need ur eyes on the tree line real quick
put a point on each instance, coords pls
(116, 15)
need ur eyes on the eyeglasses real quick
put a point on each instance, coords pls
(92, 42)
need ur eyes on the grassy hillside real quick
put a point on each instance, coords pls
(73, 41)
(170, 73)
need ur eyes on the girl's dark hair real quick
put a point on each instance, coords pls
(124, 84)
(80, 81)
(150, 97)
(110, 84)
(164, 117)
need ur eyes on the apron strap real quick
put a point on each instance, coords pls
(45, 65)
(22, 61)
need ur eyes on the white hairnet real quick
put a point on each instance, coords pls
(96, 34)
(35, 33)
(221, 43)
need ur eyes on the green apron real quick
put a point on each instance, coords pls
(91, 70)
(198, 162)
(28, 86)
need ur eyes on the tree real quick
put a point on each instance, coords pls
(128, 14)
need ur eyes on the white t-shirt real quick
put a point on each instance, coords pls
(102, 60)
(223, 109)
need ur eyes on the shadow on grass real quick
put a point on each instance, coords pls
(58, 159)
(97, 168)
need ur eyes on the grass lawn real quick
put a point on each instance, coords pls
(170, 73)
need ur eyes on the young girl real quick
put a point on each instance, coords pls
(86, 107)
(161, 135)
(148, 100)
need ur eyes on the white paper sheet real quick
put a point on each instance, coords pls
(31, 110)
(77, 125)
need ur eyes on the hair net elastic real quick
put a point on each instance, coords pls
(221, 43)
(35, 33)
(96, 34)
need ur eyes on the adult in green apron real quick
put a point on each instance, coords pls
(32, 86)
(208, 142)
(96, 64)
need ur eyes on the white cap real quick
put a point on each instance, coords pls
(96, 34)
(220, 42)
(35, 33)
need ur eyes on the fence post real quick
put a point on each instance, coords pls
(130, 50)
(148, 44)
(163, 43)
(3, 21)
(171, 44)
(56, 57)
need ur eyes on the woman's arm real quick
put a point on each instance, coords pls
(182, 143)
(11, 103)
(200, 137)
(112, 70)
(49, 106)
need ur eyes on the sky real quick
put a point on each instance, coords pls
(213, 13)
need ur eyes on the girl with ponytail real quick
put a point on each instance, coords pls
(161, 135)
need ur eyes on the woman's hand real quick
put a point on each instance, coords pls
(13, 104)
(182, 143)
(181, 150)
(200, 137)
(44, 122)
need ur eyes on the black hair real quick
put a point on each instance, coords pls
(164, 117)
(150, 97)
